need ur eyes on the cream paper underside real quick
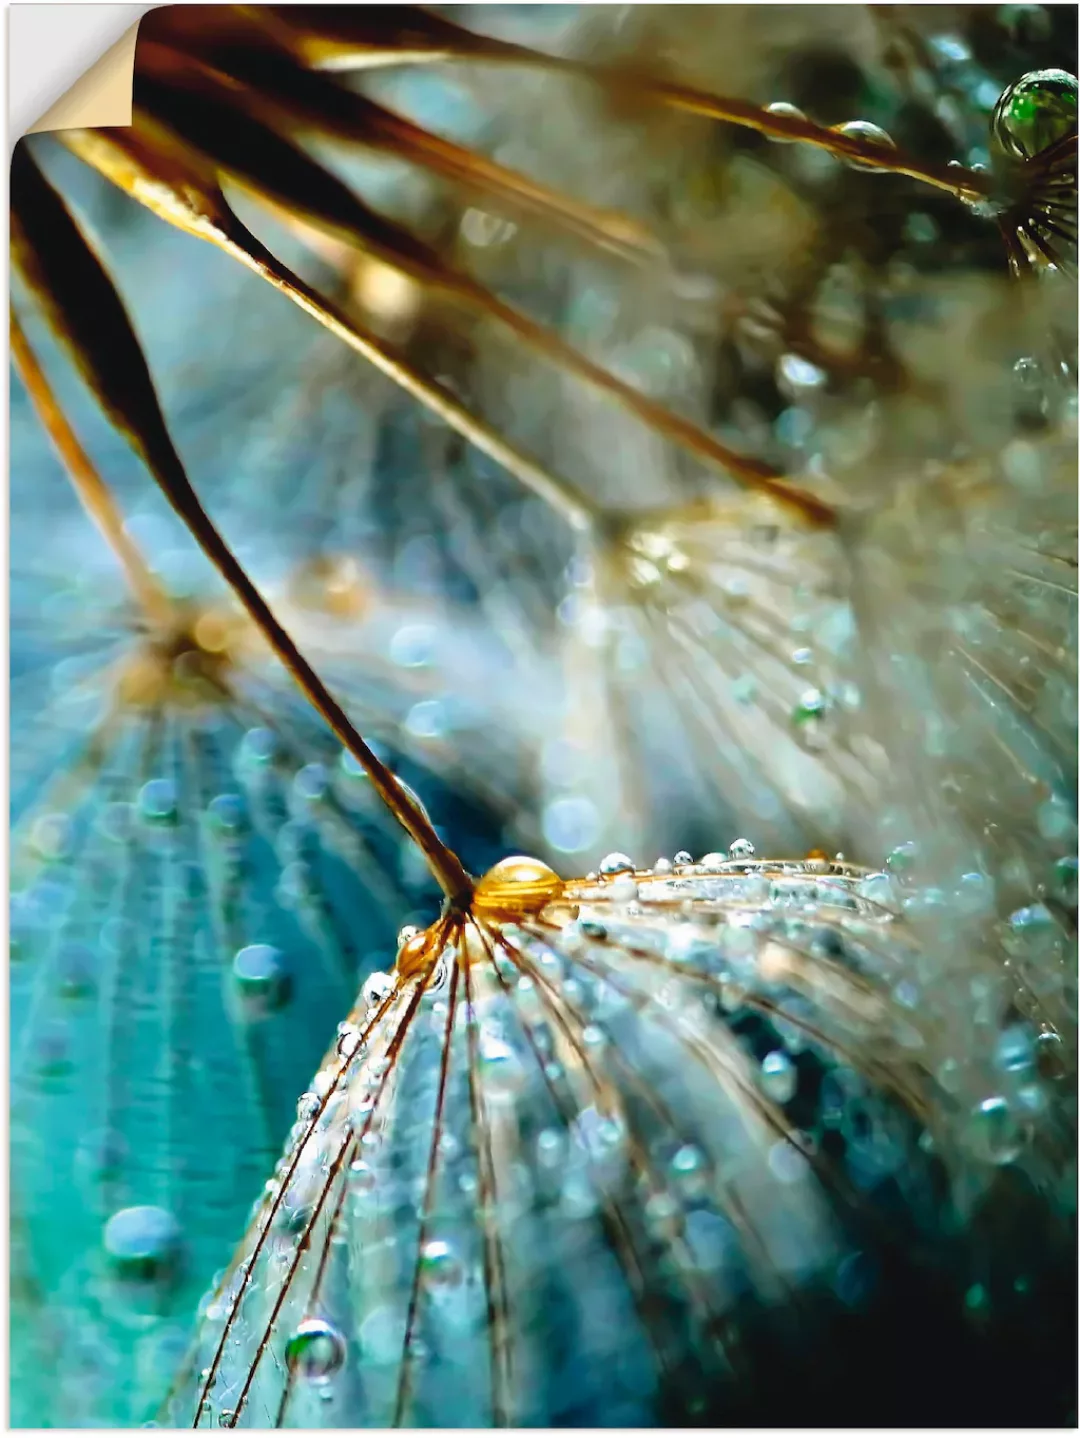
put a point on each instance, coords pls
(102, 96)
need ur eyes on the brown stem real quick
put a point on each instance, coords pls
(440, 41)
(958, 180)
(443, 862)
(94, 494)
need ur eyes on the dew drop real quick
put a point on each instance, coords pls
(624, 890)
(316, 1351)
(311, 783)
(142, 1242)
(226, 812)
(995, 1133)
(616, 864)
(779, 1077)
(517, 885)
(157, 802)
(261, 975)
(501, 1068)
(870, 133)
(1016, 1050)
(258, 746)
(439, 1264)
(784, 111)
(377, 987)
(741, 849)
(1034, 112)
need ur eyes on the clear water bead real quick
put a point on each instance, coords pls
(624, 890)
(1034, 112)
(158, 802)
(142, 1242)
(995, 1134)
(872, 134)
(377, 987)
(741, 849)
(439, 1264)
(316, 1351)
(779, 1077)
(261, 973)
(783, 111)
(616, 864)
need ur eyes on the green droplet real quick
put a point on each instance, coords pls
(315, 1351)
(1034, 112)
(811, 707)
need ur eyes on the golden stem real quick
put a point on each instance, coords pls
(94, 494)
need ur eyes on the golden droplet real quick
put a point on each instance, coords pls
(414, 954)
(516, 886)
(211, 632)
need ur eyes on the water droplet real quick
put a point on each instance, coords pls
(624, 890)
(377, 987)
(361, 1176)
(517, 885)
(258, 746)
(143, 1242)
(1065, 881)
(501, 1068)
(1016, 1049)
(348, 1040)
(439, 1264)
(810, 708)
(1034, 112)
(688, 1160)
(427, 719)
(316, 1351)
(870, 133)
(413, 646)
(261, 974)
(616, 864)
(779, 1077)
(157, 801)
(682, 858)
(902, 859)
(995, 1134)
(226, 812)
(741, 849)
(877, 889)
(311, 783)
(76, 972)
(51, 836)
(307, 1106)
(783, 111)
(796, 374)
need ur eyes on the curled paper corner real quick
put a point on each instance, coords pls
(51, 85)
(100, 97)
